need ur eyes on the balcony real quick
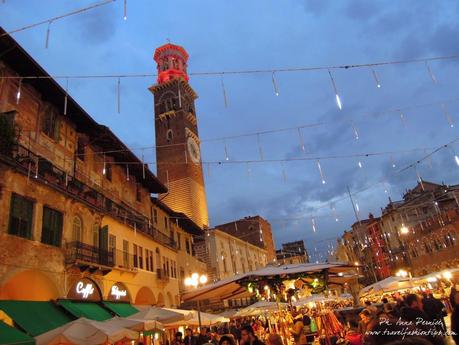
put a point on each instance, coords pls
(161, 275)
(88, 257)
(76, 188)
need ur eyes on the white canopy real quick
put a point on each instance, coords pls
(231, 288)
(86, 332)
(387, 285)
(138, 325)
(162, 315)
(206, 318)
(259, 307)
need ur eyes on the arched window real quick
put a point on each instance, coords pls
(169, 135)
(77, 229)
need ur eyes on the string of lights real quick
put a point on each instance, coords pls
(56, 18)
(241, 72)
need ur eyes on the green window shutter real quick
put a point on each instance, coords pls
(21, 213)
(51, 232)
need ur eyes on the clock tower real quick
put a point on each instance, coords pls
(178, 155)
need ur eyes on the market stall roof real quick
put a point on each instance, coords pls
(259, 307)
(90, 310)
(35, 317)
(206, 318)
(159, 314)
(135, 325)
(121, 309)
(387, 285)
(11, 335)
(86, 332)
(231, 287)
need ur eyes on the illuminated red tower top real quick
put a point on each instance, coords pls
(172, 62)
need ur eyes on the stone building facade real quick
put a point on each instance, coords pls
(69, 210)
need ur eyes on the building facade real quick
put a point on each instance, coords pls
(69, 211)
(292, 253)
(177, 139)
(255, 230)
(417, 234)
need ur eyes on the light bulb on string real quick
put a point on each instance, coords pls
(431, 74)
(356, 132)
(456, 157)
(18, 94)
(47, 34)
(338, 99)
(276, 90)
(421, 182)
(448, 117)
(360, 164)
(104, 169)
(333, 209)
(143, 165)
(225, 99)
(321, 172)
(402, 119)
(118, 100)
(66, 95)
(226, 152)
(313, 222)
(127, 172)
(300, 136)
(125, 10)
(375, 76)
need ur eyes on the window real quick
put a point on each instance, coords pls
(147, 262)
(136, 257)
(112, 244)
(77, 229)
(187, 246)
(125, 253)
(140, 257)
(51, 231)
(169, 135)
(108, 171)
(80, 149)
(179, 241)
(168, 268)
(138, 192)
(49, 124)
(165, 223)
(155, 216)
(150, 259)
(21, 212)
(95, 235)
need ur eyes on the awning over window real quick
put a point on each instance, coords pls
(10, 335)
(121, 309)
(35, 317)
(88, 310)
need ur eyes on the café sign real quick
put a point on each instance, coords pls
(119, 293)
(84, 289)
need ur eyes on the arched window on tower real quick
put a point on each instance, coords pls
(169, 136)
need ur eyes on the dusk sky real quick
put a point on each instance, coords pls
(266, 34)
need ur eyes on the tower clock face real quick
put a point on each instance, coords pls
(193, 150)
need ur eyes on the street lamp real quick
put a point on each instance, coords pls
(404, 230)
(194, 281)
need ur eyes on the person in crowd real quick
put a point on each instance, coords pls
(455, 319)
(274, 339)
(414, 313)
(297, 331)
(178, 339)
(203, 336)
(226, 340)
(235, 331)
(190, 339)
(435, 310)
(248, 337)
(367, 321)
(353, 337)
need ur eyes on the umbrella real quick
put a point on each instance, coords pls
(206, 318)
(135, 324)
(232, 288)
(160, 314)
(86, 332)
(387, 285)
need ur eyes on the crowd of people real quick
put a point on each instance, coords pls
(409, 319)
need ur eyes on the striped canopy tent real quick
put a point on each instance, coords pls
(336, 273)
(259, 307)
